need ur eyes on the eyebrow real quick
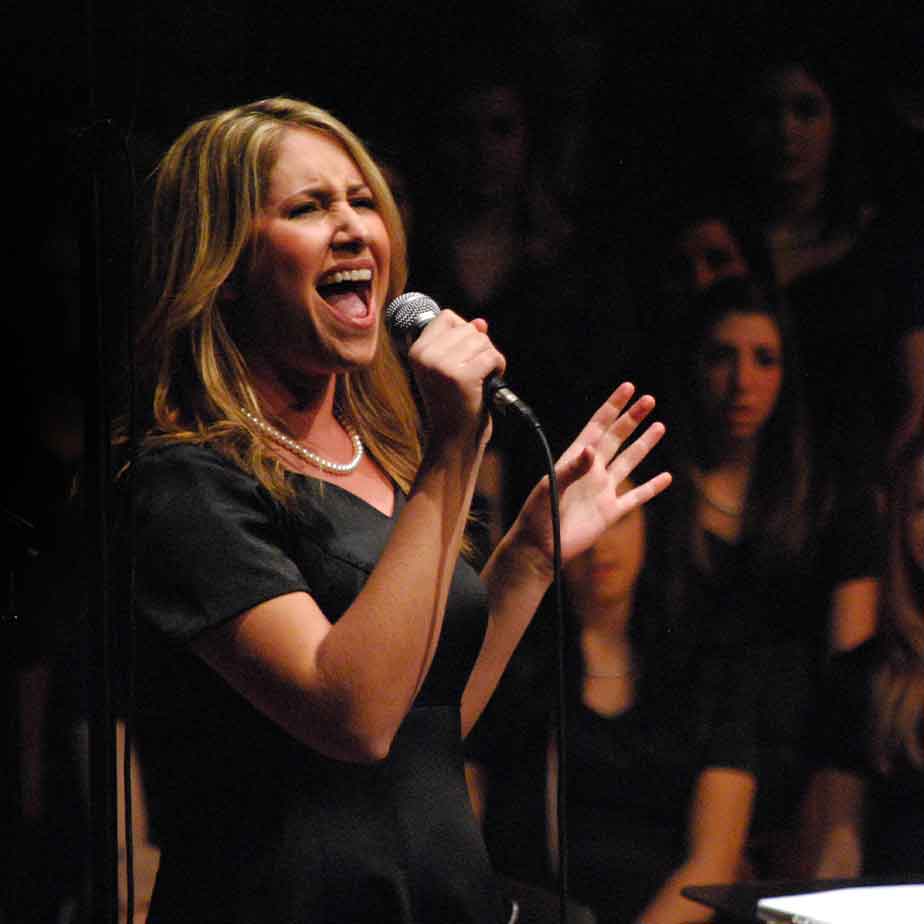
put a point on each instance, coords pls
(314, 189)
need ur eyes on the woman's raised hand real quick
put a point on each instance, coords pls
(589, 473)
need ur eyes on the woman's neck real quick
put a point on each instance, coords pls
(493, 215)
(303, 408)
(796, 207)
(609, 680)
(304, 404)
(731, 455)
(605, 632)
(484, 252)
(723, 491)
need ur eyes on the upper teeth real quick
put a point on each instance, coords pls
(356, 275)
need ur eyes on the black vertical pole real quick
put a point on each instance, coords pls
(95, 159)
(103, 897)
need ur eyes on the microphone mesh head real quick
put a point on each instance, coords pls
(411, 311)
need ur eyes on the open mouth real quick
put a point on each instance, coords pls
(348, 292)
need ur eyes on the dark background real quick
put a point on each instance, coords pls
(99, 90)
(649, 78)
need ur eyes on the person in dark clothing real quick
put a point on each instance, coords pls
(775, 551)
(315, 647)
(871, 748)
(803, 184)
(660, 748)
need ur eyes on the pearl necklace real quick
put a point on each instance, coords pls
(312, 458)
(725, 509)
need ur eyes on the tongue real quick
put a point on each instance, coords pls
(347, 302)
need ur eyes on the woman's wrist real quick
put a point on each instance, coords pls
(521, 554)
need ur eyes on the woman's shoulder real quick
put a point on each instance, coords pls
(176, 471)
(163, 453)
(860, 661)
(162, 458)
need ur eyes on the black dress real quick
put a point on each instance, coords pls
(630, 780)
(850, 319)
(779, 619)
(253, 825)
(893, 823)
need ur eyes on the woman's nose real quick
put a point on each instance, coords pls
(743, 374)
(703, 275)
(351, 229)
(788, 124)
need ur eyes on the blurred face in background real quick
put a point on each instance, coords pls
(792, 132)
(708, 251)
(608, 571)
(914, 531)
(487, 142)
(741, 369)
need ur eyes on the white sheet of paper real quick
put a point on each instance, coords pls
(888, 904)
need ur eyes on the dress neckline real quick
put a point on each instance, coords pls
(352, 495)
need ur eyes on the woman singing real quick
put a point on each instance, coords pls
(316, 649)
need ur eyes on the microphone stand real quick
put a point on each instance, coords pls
(19, 548)
(103, 865)
(106, 241)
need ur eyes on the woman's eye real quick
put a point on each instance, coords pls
(303, 208)
(364, 202)
(767, 359)
(807, 107)
(717, 355)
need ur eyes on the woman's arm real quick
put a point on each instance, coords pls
(718, 825)
(477, 779)
(836, 836)
(852, 618)
(344, 688)
(911, 371)
(519, 572)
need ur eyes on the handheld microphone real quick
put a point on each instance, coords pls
(411, 312)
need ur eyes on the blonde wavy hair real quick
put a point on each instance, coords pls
(898, 689)
(193, 379)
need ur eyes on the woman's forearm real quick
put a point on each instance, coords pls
(669, 905)
(396, 619)
(718, 825)
(516, 576)
(345, 687)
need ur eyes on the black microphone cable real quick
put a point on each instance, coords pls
(408, 314)
(561, 731)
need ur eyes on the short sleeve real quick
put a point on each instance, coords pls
(210, 542)
(853, 546)
(731, 741)
(914, 312)
(843, 728)
(905, 290)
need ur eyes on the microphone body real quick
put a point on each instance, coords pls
(411, 312)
